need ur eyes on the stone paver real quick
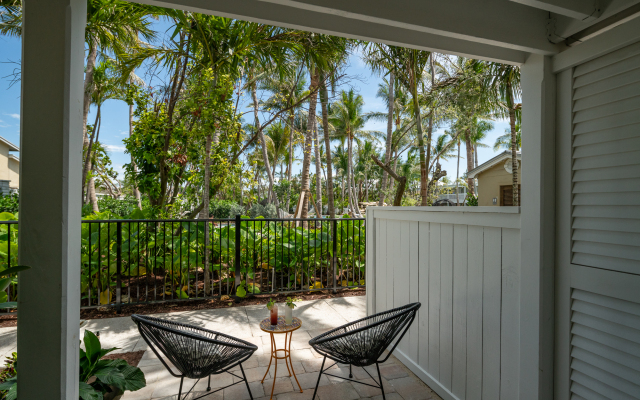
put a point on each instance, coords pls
(242, 322)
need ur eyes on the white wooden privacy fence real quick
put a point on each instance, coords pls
(464, 267)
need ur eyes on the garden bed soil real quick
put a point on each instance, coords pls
(132, 358)
(10, 319)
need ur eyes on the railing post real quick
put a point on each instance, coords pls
(118, 268)
(237, 247)
(334, 259)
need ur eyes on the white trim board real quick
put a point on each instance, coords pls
(614, 39)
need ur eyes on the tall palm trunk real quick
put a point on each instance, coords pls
(86, 104)
(387, 157)
(458, 175)
(469, 148)
(421, 144)
(432, 115)
(306, 162)
(204, 214)
(136, 191)
(514, 146)
(316, 146)
(327, 144)
(349, 176)
(271, 197)
(290, 158)
(87, 160)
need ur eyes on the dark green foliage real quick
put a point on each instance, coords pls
(268, 211)
(9, 203)
(225, 209)
(472, 200)
(119, 207)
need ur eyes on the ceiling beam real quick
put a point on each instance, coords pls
(339, 25)
(499, 23)
(583, 10)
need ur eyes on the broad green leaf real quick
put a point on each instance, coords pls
(92, 346)
(11, 304)
(14, 270)
(88, 393)
(110, 376)
(133, 378)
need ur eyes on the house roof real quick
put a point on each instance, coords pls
(14, 157)
(12, 147)
(505, 155)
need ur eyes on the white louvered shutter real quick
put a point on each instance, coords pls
(606, 162)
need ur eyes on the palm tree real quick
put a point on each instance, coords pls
(410, 68)
(504, 141)
(502, 82)
(322, 53)
(348, 119)
(474, 134)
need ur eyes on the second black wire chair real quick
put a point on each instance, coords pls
(362, 342)
(195, 352)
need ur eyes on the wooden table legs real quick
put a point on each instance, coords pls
(287, 359)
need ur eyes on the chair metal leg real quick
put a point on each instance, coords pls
(209, 384)
(380, 380)
(350, 374)
(180, 390)
(246, 381)
(319, 376)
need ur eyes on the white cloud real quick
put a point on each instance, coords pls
(124, 132)
(16, 116)
(115, 148)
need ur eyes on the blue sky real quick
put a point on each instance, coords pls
(115, 125)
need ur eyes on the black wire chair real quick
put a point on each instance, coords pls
(195, 352)
(362, 342)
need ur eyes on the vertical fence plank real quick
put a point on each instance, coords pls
(474, 312)
(382, 266)
(491, 298)
(423, 296)
(402, 278)
(393, 244)
(510, 329)
(414, 289)
(460, 254)
(446, 304)
(434, 300)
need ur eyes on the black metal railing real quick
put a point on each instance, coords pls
(147, 261)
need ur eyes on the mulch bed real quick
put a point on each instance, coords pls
(10, 319)
(132, 358)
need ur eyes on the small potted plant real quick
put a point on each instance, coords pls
(271, 306)
(288, 311)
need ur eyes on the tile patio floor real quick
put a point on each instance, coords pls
(317, 316)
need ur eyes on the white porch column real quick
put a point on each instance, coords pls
(537, 229)
(50, 174)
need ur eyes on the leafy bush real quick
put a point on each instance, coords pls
(104, 375)
(9, 203)
(121, 208)
(268, 211)
(225, 209)
(472, 200)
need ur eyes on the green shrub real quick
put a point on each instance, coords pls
(268, 211)
(9, 203)
(224, 209)
(472, 200)
(119, 207)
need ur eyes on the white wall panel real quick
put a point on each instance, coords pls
(465, 340)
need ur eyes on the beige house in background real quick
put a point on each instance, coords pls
(9, 167)
(495, 181)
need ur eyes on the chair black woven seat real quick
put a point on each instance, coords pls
(194, 352)
(361, 343)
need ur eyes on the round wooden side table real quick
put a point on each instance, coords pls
(288, 330)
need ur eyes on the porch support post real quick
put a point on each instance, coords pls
(50, 209)
(537, 234)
